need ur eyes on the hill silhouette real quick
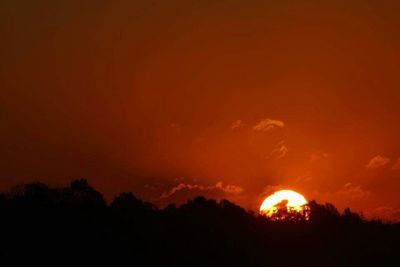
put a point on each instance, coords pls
(74, 224)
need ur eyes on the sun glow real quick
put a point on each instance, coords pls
(283, 203)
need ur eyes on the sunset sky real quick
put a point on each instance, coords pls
(224, 98)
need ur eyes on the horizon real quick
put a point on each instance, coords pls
(20, 189)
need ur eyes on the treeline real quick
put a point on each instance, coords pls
(74, 224)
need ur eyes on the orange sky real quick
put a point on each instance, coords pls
(233, 99)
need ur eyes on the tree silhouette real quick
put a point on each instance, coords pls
(40, 224)
(286, 213)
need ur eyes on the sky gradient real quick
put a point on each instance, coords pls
(233, 99)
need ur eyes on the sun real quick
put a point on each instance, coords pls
(284, 204)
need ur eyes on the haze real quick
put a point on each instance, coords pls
(232, 99)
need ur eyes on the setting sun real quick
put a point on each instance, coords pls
(286, 200)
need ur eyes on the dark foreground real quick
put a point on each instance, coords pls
(74, 224)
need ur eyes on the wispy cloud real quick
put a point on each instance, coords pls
(228, 189)
(280, 151)
(268, 124)
(318, 156)
(269, 189)
(237, 124)
(377, 162)
(385, 213)
(303, 178)
(353, 191)
(348, 194)
(396, 165)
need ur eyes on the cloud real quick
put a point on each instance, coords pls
(228, 189)
(348, 195)
(268, 190)
(268, 124)
(396, 165)
(353, 191)
(303, 178)
(384, 213)
(377, 162)
(317, 156)
(237, 124)
(280, 151)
